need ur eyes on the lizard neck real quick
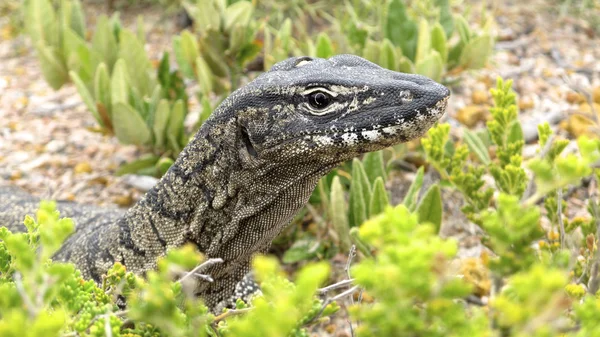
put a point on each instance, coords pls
(218, 197)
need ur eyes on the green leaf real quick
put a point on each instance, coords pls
(86, 97)
(388, 57)
(476, 52)
(206, 15)
(238, 13)
(205, 76)
(140, 31)
(339, 214)
(401, 29)
(104, 42)
(301, 250)
(439, 42)
(129, 126)
(476, 145)
(374, 166)
(371, 51)
(463, 29)
(211, 47)
(379, 198)
(405, 65)
(77, 18)
(206, 110)
(161, 119)
(138, 65)
(411, 197)
(324, 46)
(446, 19)
(41, 23)
(146, 161)
(515, 134)
(102, 88)
(423, 41)
(360, 194)
(431, 66)
(119, 83)
(430, 207)
(186, 52)
(175, 126)
(53, 70)
(163, 165)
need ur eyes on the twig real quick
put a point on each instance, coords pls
(31, 308)
(561, 224)
(528, 191)
(107, 328)
(334, 286)
(594, 282)
(204, 264)
(228, 313)
(351, 255)
(331, 300)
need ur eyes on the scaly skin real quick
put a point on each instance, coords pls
(250, 168)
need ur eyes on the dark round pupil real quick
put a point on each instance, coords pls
(319, 100)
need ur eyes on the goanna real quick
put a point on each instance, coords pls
(252, 165)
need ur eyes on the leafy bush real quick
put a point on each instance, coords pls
(45, 298)
(113, 75)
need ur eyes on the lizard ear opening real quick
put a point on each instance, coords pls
(247, 143)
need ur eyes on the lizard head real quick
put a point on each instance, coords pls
(334, 109)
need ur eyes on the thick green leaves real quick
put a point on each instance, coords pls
(431, 66)
(430, 207)
(238, 13)
(439, 41)
(360, 194)
(41, 23)
(338, 214)
(102, 92)
(53, 69)
(138, 64)
(374, 166)
(86, 96)
(401, 30)
(186, 52)
(205, 76)
(119, 83)
(411, 197)
(161, 119)
(477, 146)
(129, 126)
(423, 41)
(379, 198)
(324, 46)
(104, 42)
(175, 126)
(476, 52)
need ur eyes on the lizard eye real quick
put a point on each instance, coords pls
(319, 100)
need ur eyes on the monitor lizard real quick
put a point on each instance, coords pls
(250, 168)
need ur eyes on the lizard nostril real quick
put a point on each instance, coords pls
(406, 96)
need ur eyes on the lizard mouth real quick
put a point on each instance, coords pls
(399, 127)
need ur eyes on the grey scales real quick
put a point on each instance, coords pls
(249, 169)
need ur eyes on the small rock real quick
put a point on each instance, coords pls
(479, 97)
(142, 183)
(83, 167)
(525, 103)
(471, 115)
(575, 98)
(123, 200)
(55, 146)
(596, 95)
